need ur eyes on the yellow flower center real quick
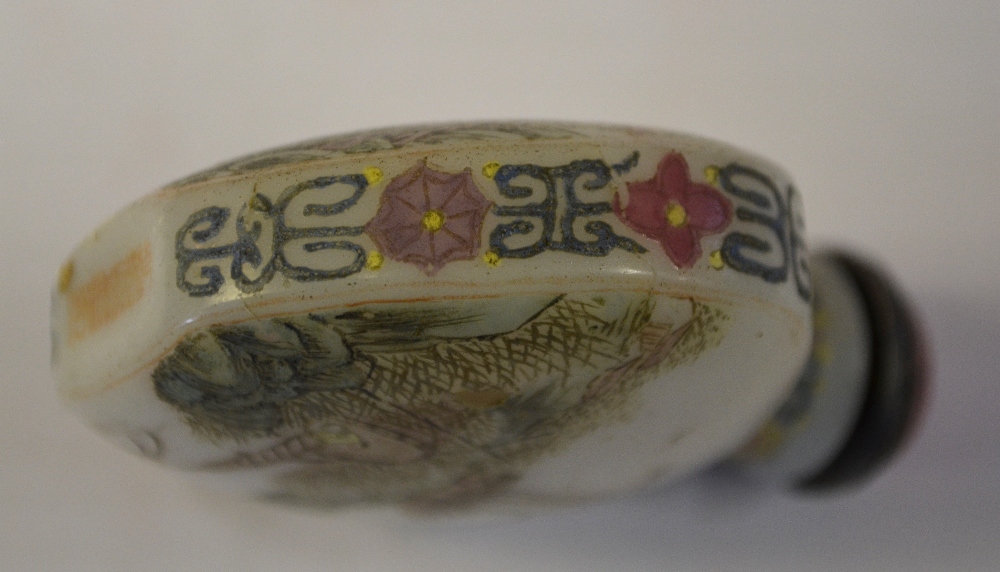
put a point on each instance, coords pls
(492, 259)
(372, 174)
(433, 220)
(676, 215)
(715, 260)
(375, 260)
(490, 169)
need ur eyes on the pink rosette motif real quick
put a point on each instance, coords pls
(429, 218)
(675, 211)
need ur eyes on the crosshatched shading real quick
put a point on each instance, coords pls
(386, 403)
(430, 314)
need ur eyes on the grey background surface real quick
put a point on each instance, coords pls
(886, 113)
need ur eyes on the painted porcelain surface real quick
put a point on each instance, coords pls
(433, 315)
(815, 422)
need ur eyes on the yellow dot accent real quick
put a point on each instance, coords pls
(712, 174)
(715, 259)
(375, 260)
(492, 259)
(65, 277)
(433, 220)
(490, 169)
(676, 216)
(372, 174)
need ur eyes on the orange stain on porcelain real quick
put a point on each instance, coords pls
(100, 301)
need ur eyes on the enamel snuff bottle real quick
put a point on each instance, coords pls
(506, 313)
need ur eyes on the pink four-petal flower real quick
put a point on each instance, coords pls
(675, 211)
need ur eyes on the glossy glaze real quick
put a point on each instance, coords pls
(434, 315)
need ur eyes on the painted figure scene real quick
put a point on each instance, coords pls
(427, 403)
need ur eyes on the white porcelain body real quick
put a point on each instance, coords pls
(122, 307)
